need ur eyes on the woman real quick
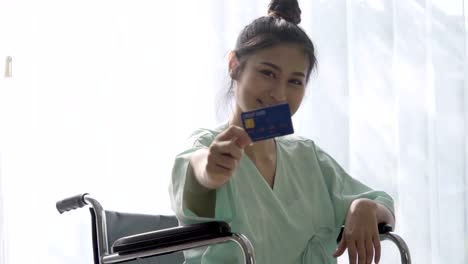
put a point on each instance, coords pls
(285, 194)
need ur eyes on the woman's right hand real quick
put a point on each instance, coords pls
(224, 155)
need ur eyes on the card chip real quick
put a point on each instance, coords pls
(249, 123)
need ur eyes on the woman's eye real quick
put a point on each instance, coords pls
(268, 73)
(296, 82)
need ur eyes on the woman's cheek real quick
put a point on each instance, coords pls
(246, 99)
(295, 101)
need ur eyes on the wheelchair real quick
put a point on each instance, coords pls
(120, 237)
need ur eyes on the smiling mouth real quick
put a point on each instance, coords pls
(264, 104)
(267, 104)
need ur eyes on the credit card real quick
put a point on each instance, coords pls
(268, 122)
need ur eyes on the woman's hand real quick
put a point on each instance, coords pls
(223, 157)
(361, 234)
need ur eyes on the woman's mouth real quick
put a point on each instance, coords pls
(264, 104)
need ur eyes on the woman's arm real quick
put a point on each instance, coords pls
(199, 198)
(212, 167)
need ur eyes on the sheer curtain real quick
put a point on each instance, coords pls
(390, 103)
(103, 91)
(101, 95)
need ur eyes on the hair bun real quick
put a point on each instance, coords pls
(286, 9)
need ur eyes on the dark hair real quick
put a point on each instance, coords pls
(278, 27)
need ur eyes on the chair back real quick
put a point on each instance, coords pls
(121, 224)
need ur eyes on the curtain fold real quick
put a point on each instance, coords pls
(465, 183)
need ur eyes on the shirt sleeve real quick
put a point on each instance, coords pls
(343, 189)
(182, 183)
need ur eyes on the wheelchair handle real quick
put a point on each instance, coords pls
(71, 203)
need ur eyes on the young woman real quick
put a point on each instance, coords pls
(287, 195)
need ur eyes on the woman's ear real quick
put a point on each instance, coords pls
(233, 64)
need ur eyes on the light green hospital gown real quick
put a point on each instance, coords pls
(296, 221)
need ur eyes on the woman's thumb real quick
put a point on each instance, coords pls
(243, 141)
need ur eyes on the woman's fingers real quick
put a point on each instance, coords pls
(224, 155)
(218, 170)
(360, 251)
(352, 251)
(242, 140)
(341, 247)
(361, 248)
(226, 161)
(223, 160)
(233, 149)
(369, 251)
(229, 148)
(376, 242)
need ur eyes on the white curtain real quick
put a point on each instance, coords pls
(103, 91)
(390, 103)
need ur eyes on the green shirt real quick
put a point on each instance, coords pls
(296, 221)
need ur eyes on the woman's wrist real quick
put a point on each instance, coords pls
(382, 213)
(198, 164)
(363, 204)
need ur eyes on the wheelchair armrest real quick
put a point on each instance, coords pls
(171, 236)
(384, 228)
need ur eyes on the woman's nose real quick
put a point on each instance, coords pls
(278, 94)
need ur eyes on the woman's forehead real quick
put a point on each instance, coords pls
(287, 56)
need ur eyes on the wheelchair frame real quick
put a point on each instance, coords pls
(106, 255)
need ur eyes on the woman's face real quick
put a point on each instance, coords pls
(271, 76)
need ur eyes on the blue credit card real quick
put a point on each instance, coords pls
(269, 122)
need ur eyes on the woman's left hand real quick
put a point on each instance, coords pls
(361, 234)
